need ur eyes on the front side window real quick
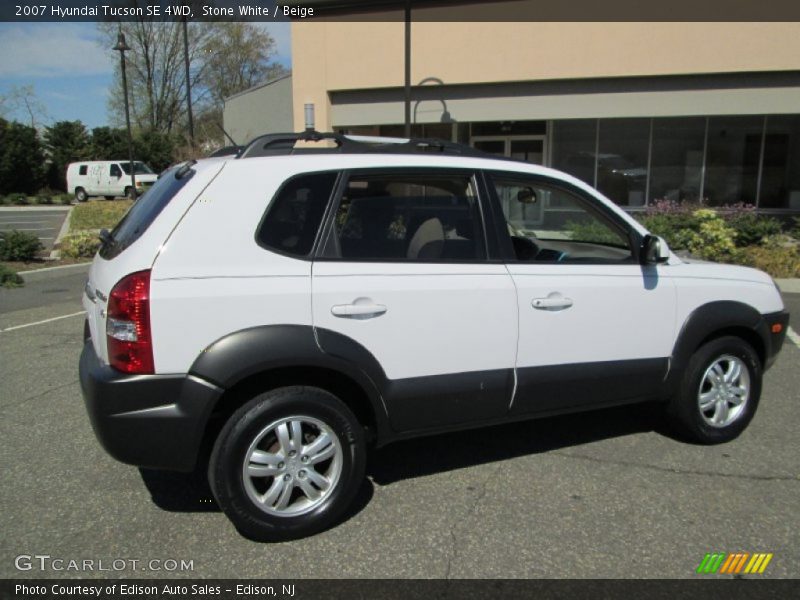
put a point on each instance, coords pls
(139, 168)
(408, 217)
(114, 171)
(548, 223)
(294, 217)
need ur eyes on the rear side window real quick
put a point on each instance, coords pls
(82, 170)
(145, 210)
(294, 217)
(408, 217)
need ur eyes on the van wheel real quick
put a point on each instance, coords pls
(719, 393)
(288, 463)
(81, 195)
(129, 193)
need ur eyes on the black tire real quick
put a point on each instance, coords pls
(129, 193)
(228, 459)
(684, 409)
(81, 195)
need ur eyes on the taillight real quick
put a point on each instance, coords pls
(130, 346)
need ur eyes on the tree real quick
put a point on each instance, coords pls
(156, 149)
(225, 58)
(21, 159)
(109, 143)
(23, 100)
(65, 142)
(237, 57)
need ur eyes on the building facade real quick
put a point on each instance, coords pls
(642, 111)
(263, 108)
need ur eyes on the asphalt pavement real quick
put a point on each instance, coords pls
(45, 222)
(607, 494)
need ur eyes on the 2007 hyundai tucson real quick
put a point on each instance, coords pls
(293, 307)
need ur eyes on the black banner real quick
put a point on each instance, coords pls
(327, 589)
(394, 10)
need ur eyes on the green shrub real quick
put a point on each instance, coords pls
(780, 261)
(18, 245)
(5, 200)
(83, 244)
(795, 231)
(752, 228)
(9, 278)
(65, 199)
(44, 199)
(593, 231)
(18, 199)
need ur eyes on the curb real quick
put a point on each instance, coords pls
(55, 253)
(53, 272)
(789, 286)
(37, 207)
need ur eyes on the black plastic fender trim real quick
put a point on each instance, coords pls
(708, 319)
(247, 352)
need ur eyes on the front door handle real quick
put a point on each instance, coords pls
(358, 311)
(552, 303)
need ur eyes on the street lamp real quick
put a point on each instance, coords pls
(122, 46)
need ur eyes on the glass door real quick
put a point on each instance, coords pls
(528, 148)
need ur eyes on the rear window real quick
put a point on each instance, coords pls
(144, 211)
(82, 170)
(293, 219)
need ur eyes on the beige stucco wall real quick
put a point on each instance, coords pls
(344, 56)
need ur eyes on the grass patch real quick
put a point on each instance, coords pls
(98, 214)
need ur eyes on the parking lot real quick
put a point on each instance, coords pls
(43, 222)
(606, 494)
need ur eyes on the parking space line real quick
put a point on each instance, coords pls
(792, 335)
(83, 312)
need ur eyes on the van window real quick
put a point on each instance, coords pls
(82, 170)
(144, 211)
(115, 171)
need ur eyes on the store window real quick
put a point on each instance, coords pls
(574, 144)
(780, 179)
(622, 160)
(734, 148)
(676, 163)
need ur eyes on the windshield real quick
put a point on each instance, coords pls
(140, 168)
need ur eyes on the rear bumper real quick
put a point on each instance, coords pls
(774, 341)
(154, 421)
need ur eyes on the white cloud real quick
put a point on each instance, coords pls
(51, 50)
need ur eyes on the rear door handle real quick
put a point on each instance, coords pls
(363, 311)
(551, 303)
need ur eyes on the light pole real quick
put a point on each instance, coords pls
(188, 82)
(122, 47)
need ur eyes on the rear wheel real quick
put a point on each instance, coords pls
(81, 195)
(129, 193)
(719, 392)
(288, 463)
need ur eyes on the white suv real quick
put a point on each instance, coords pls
(287, 308)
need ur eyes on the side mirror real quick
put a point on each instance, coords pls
(526, 195)
(654, 250)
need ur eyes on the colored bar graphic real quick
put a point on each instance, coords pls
(723, 563)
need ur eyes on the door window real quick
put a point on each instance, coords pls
(548, 223)
(115, 171)
(408, 217)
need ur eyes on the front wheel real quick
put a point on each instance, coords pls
(288, 463)
(719, 393)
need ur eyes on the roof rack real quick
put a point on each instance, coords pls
(282, 144)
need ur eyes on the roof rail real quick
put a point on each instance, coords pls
(282, 144)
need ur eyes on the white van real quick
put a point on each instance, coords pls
(109, 178)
